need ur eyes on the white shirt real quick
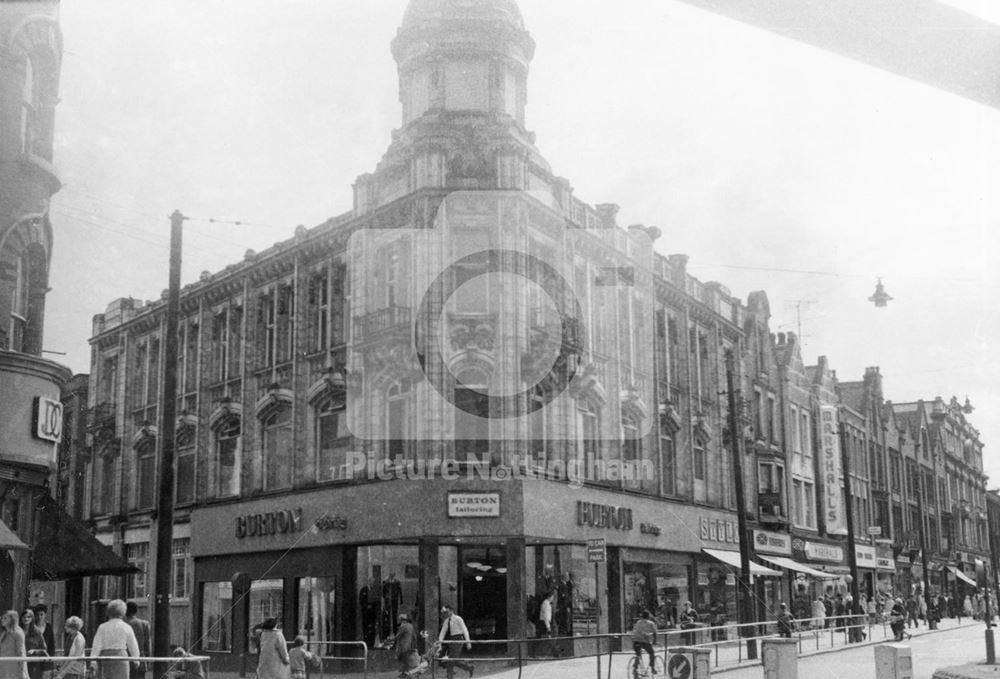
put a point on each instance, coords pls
(545, 612)
(453, 626)
(115, 634)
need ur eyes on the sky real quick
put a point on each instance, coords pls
(773, 165)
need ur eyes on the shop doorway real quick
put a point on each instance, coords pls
(483, 592)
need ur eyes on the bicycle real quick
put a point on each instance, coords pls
(637, 667)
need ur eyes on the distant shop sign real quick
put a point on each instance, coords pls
(884, 564)
(821, 552)
(473, 505)
(48, 417)
(865, 556)
(768, 542)
(718, 530)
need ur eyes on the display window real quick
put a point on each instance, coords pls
(216, 616)
(388, 584)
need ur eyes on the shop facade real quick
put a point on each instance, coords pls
(339, 565)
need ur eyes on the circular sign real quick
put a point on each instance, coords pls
(679, 667)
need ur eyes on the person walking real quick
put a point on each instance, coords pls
(405, 644)
(74, 648)
(643, 638)
(897, 619)
(299, 659)
(12, 646)
(454, 638)
(142, 637)
(544, 626)
(34, 642)
(688, 620)
(911, 612)
(45, 627)
(273, 662)
(786, 621)
(114, 638)
(818, 613)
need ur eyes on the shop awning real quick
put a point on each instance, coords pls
(733, 559)
(962, 576)
(9, 539)
(789, 564)
(66, 548)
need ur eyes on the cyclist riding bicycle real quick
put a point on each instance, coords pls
(643, 638)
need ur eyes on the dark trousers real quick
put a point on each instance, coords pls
(451, 653)
(640, 646)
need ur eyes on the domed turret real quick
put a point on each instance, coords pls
(463, 55)
(421, 12)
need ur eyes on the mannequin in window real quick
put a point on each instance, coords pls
(392, 599)
(368, 604)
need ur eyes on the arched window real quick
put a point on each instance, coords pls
(397, 420)
(228, 457)
(472, 424)
(333, 439)
(276, 447)
(145, 472)
(184, 487)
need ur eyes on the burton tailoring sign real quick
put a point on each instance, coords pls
(473, 505)
(833, 505)
(603, 516)
(269, 523)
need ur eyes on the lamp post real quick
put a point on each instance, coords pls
(165, 502)
(744, 600)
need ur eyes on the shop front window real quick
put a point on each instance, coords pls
(660, 588)
(266, 601)
(317, 613)
(216, 616)
(564, 570)
(716, 602)
(388, 584)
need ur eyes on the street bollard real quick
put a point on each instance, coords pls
(893, 661)
(697, 660)
(780, 659)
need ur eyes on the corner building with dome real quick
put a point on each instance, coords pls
(375, 419)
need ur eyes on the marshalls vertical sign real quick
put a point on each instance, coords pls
(833, 500)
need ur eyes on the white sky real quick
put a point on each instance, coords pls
(748, 150)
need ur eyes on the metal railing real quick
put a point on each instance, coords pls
(178, 666)
(329, 654)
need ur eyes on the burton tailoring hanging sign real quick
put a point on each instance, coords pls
(833, 501)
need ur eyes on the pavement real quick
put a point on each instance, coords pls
(822, 656)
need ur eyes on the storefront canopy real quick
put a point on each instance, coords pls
(789, 564)
(962, 576)
(733, 559)
(66, 549)
(9, 539)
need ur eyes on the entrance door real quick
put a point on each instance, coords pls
(483, 591)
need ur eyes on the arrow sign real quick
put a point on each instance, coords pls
(679, 667)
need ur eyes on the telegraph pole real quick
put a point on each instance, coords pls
(744, 601)
(854, 634)
(165, 501)
(921, 489)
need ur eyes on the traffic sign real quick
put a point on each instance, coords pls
(679, 666)
(597, 550)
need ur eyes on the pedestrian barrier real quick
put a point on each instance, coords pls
(177, 666)
(328, 657)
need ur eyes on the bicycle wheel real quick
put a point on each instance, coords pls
(634, 668)
(657, 664)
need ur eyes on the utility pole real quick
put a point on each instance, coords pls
(854, 634)
(744, 600)
(921, 489)
(165, 501)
